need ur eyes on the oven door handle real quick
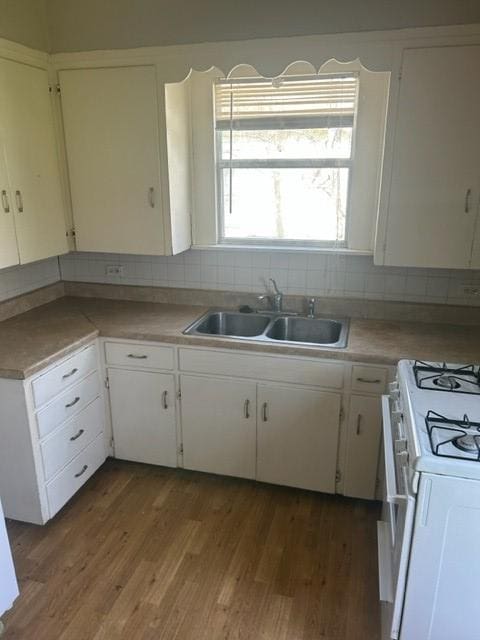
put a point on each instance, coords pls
(393, 497)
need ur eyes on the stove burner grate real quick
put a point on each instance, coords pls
(435, 377)
(457, 432)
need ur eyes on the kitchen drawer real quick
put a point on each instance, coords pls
(263, 367)
(68, 404)
(74, 436)
(75, 474)
(369, 379)
(139, 355)
(56, 380)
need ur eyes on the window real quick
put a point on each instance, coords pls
(284, 158)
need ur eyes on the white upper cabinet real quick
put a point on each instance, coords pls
(29, 170)
(431, 198)
(8, 240)
(115, 151)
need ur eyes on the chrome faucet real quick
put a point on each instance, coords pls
(311, 308)
(278, 297)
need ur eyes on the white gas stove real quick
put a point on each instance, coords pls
(440, 404)
(431, 434)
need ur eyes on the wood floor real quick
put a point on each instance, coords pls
(147, 553)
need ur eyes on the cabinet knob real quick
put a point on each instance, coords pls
(468, 194)
(264, 412)
(72, 403)
(369, 380)
(5, 202)
(80, 473)
(359, 424)
(151, 197)
(19, 199)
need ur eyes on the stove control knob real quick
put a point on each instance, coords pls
(401, 446)
(395, 393)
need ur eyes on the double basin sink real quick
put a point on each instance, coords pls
(272, 327)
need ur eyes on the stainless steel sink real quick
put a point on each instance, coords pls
(272, 328)
(308, 330)
(228, 323)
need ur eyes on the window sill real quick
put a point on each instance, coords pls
(285, 249)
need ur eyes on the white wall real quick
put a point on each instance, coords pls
(17, 280)
(300, 273)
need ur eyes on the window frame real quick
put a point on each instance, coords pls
(319, 121)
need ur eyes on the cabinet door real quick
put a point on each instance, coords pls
(8, 239)
(111, 129)
(143, 416)
(27, 130)
(297, 437)
(219, 425)
(363, 443)
(8, 581)
(434, 187)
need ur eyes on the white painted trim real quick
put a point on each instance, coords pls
(20, 53)
(285, 249)
(270, 56)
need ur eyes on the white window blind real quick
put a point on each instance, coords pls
(239, 102)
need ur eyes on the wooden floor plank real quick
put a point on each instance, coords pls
(148, 553)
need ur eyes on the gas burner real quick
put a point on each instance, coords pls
(467, 443)
(463, 434)
(449, 378)
(446, 382)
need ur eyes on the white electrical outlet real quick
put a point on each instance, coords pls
(114, 270)
(470, 289)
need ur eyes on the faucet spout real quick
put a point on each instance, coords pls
(278, 297)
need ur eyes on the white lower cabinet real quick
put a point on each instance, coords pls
(52, 435)
(142, 405)
(298, 436)
(363, 444)
(219, 425)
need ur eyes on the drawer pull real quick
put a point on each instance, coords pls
(77, 435)
(72, 403)
(5, 203)
(246, 409)
(264, 412)
(164, 400)
(359, 423)
(369, 380)
(80, 473)
(68, 375)
(137, 357)
(19, 199)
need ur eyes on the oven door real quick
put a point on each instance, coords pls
(395, 528)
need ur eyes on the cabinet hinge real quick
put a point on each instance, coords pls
(179, 394)
(70, 233)
(180, 449)
(338, 476)
(50, 90)
(107, 383)
(58, 89)
(342, 413)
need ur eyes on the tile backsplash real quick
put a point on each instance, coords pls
(17, 280)
(297, 273)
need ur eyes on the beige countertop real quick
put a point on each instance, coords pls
(32, 340)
